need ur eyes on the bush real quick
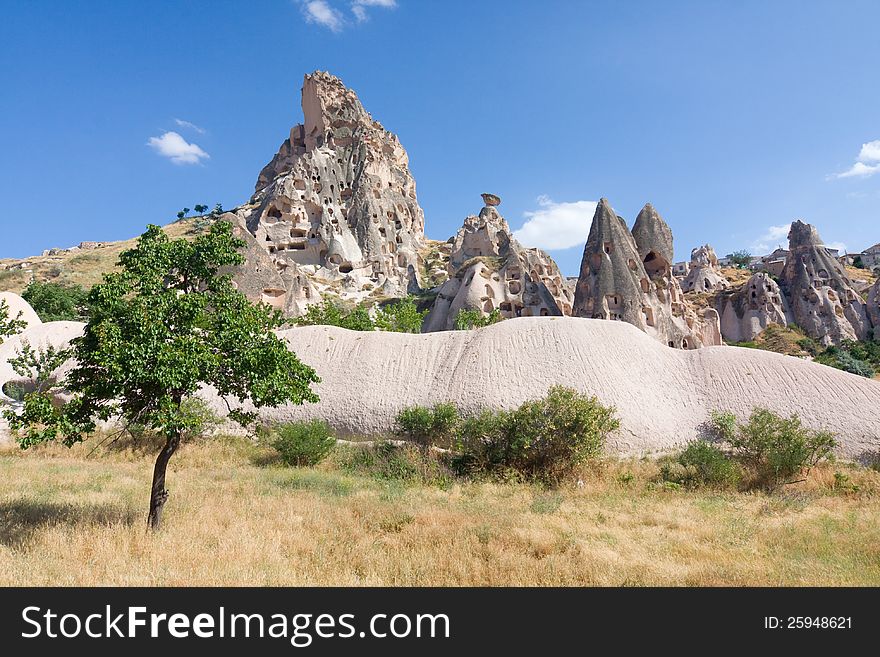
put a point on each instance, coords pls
(466, 320)
(55, 302)
(842, 359)
(701, 464)
(329, 313)
(543, 440)
(303, 443)
(779, 450)
(400, 316)
(429, 426)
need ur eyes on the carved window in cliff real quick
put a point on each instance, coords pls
(608, 247)
(648, 313)
(645, 284)
(655, 265)
(685, 344)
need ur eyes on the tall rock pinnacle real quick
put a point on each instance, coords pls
(337, 203)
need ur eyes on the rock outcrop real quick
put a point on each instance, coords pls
(822, 298)
(874, 308)
(746, 312)
(490, 270)
(336, 209)
(18, 308)
(703, 274)
(631, 281)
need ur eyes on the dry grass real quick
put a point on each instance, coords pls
(83, 268)
(70, 519)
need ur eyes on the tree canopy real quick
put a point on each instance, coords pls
(165, 325)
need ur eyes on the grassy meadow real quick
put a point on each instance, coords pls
(237, 517)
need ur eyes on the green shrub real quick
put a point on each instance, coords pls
(843, 359)
(429, 426)
(466, 320)
(329, 313)
(303, 443)
(543, 440)
(400, 316)
(779, 450)
(55, 302)
(701, 464)
(722, 425)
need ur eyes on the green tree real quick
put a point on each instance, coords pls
(740, 258)
(181, 214)
(329, 313)
(55, 302)
(159, 329)
(200, 209)
(466, 320)
(9, 325)
(400, 316)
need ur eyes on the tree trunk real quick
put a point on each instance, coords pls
(158, 494)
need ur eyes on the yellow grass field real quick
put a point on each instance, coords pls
(68, 518)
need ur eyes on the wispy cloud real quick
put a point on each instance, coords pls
(319, 12)
(329, 14)
(771, 238)
(359, 7)
(866, 165)
(190, 126)
(557, 225)
(177, 149)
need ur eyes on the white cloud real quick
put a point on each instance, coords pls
(771, 238)
(870, 152)
(867, 163)
(557, 225)
(319, 12)
(177, 149)
(191, 126)
(359, 7)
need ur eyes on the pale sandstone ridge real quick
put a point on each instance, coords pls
(822, 298)
(489, 270)
(631, 280)
(336, 209)
(20, 309)
(749, 310)
(704, 275)
(662, 396)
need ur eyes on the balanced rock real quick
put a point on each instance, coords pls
(490, 270)
(337, 204)
(822, 297)
(704, 275)
(752, 308)
(625, 280)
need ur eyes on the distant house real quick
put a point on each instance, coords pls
(681, 269)
(771, 263)
(871, 257)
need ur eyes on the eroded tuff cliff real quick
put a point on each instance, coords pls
(489, 270)
(336, 206)
(628, 280)
(822, 298)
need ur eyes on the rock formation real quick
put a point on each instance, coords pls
(335, 210)
(874, 308)
(703, 275)
(628, 280)
(489, 270)
(19, 308)
(749, 310)
(822, 298)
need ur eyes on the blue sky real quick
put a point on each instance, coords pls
(733, 119)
